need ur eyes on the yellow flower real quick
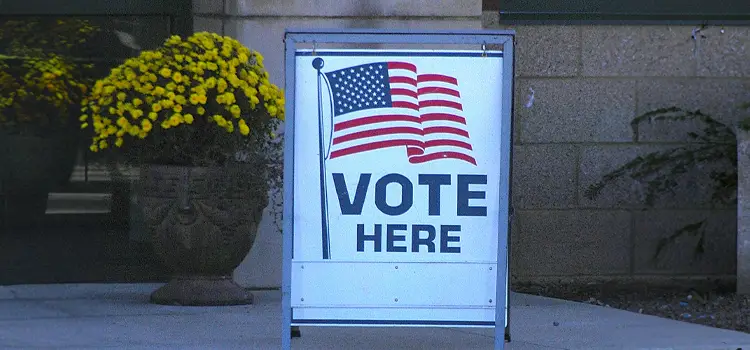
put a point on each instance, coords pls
(195, 99)
(84, 125)
(137, 102)
(242, 58)
(175, 120)
(146, 125)
(235, 110)
(156, 107)
(211, 66)
(165, 72)
(153, 115)
(220, 120)
(103, 144)
(189, 118)
(201, 110)
(158, 91)
(272, 110)
(180, 99)
(165, 124)
(221, 85)
(177, 77)
(136, 113)
(229, 98)
(119, 142)
(244, 129)
(177, 108)
(121, 96)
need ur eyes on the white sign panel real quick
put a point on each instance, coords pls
(397, 167)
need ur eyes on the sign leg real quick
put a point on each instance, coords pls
(296, 333)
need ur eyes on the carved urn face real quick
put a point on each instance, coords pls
(196, 230)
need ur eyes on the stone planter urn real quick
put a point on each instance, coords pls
(202, 222)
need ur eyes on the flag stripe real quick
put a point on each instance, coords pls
(402, 65)
(404, 92)
(423, 78)
(445, 130)
(377, 132)
(402, 80)
(427, 117)
(375, 119)
(454, 143)
(400, 130)
(438, 90)
(403, 104)
(442, 155)
(440, 103)
(373, 146)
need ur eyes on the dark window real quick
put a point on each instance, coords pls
(614, 11)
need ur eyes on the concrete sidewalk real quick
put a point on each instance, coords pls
(100, 316)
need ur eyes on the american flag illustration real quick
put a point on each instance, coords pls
(390, 104)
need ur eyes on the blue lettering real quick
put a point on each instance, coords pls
(434, 182)
(353, 207)
(375, 238)
(417, 240)
(464, 195)
(395, 233)
(445, 238)
(407, 194)
(391, 238)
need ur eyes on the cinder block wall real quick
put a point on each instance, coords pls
(588, 82)
(260, 25)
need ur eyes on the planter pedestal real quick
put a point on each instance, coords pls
(202, 291)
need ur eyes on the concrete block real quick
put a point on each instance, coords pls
(718, 98)
(743, 212)
(207, 24)
(638, 51)
(266, 35)
(548, 51)
(355, 8)
(694, 188)
(724, 54)
(677, 258)
(544, 176)
(570, 242)
(574, 110)
(208, 6)
(491, 20)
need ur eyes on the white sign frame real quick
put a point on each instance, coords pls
(323, 310)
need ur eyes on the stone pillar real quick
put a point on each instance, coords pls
(260, 25)
(743, 212)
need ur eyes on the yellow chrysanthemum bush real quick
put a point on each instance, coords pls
(38, 93)
(195, 101)
(41, 85)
